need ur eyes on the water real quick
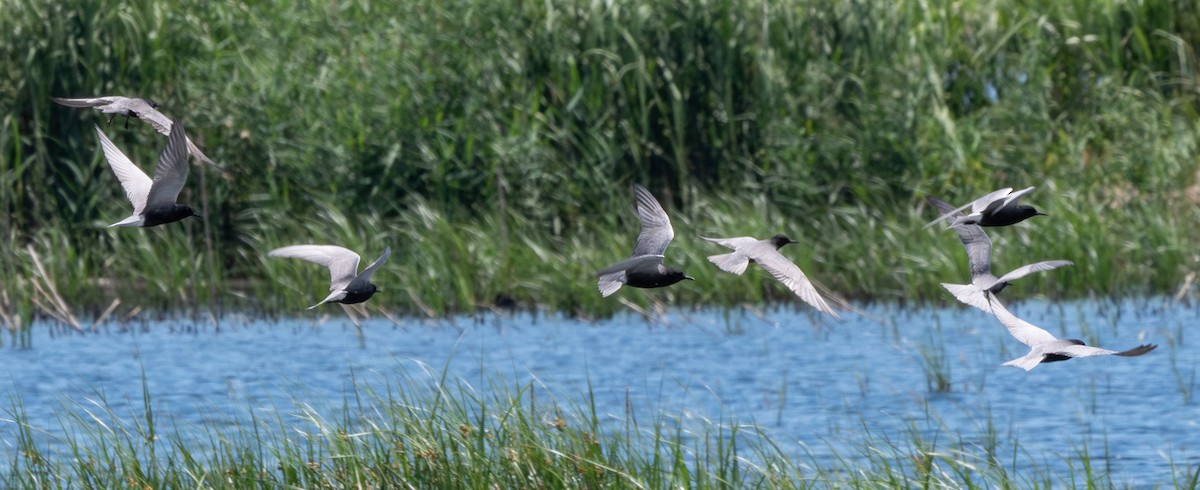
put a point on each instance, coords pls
(815, 386)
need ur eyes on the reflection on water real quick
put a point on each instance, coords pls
(813, 385)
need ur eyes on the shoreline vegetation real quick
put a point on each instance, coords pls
(493, 145)
(426, 431)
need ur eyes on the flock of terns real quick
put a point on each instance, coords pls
(645, 268)
(154, 203)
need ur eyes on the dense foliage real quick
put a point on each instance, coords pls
(493, 144)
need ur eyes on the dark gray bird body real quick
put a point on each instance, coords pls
(1045, 347)
(163, 215)
(999, 208)
(645, 268)
(979, 254)
(153, 200)
(766, 254)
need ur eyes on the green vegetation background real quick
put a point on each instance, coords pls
(492, 145)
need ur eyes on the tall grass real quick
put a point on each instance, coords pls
(427, 430)
(493, 143)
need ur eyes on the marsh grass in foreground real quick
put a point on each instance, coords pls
(427, 431)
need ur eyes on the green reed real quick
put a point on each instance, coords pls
(492, 144)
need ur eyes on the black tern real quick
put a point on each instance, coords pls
(144, 109)
(153, 200)
(645, 268)
(1045, 347)
(348, 286)
(979, 254)
(999, 208)
(766, 254)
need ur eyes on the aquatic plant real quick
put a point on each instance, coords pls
(425, 428)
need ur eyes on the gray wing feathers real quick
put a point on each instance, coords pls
(163, 125)
(982, 203)
(656, 231)
(85, 102)
(158, 120)
(972, 236)
(342, 262)
(1026, 270)
(172, 171)
(1025, 332)
(136, 183)
(736, 243)
(1076, 350)
(365, 276)
(1012, 197)
(1136, 351)
(792, 277)
(977, 206)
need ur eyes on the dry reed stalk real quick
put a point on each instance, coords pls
(420, 304)
(1186, 287)
(56, 307)
(354, 312)
(659, 315)
(107, 311)
(11, 322)
(389, 316)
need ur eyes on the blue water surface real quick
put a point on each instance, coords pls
(819, 388)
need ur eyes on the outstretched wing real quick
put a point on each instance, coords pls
(342, 263)
(136, 183)
(789, 274)
(976, 206)
(1012, 197)
(1089, 351)
(172, 171)
(1028, 269)
(152, 116)
(163, 125)
(365, 276)
(656, 231)
(982, 203)
(1025, 332)
(973, 238)
(108, 105)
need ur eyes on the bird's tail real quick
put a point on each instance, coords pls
(1026, 362)
(969, 294)
(134, 220)
(610, 283)
(731, 262)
